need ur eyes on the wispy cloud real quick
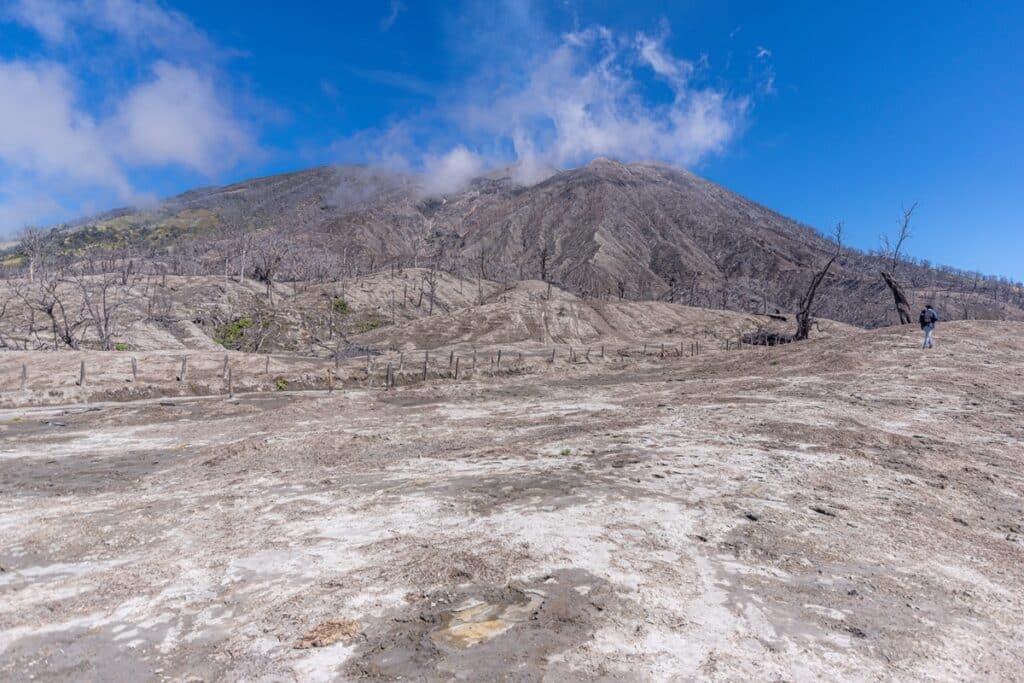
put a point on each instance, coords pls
(582, 97)
(397, 7)
(766, 83)
(394, 79)
(139, 23)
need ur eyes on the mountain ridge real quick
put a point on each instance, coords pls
(643, 230)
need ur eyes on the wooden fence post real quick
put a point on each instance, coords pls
(451, 359)
(135, 369)
(224, 371)
(266, 365)
(552, 356)
(184, 369)
(330, 379)
(387, 377)
(81, 374)
(24, 375)
(401, 362)
(499, 360)
(602, 351)
(456, 367)
(231, 385)
(426, 360)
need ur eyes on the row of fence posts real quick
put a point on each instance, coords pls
(180, 376)
(696, 349)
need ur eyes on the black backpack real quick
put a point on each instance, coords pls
(926, 317)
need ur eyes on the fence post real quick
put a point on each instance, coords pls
(499, 359)
(184, 369)
(231, 385)
(330, 379)
(224, 372)
(24, 375)
(552, 356)
(451, 359)
(401, 362)
(456, 367)
(602, 351)
(426, 360)
(81, 374)
(266, 365)
(135, 369)
(387, 377)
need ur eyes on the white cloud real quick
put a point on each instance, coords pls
(652, 52)
(450, 172)
(133, 22)
(584, 99)
(58, 135)
(178, 118)
(584, 95)
(42, 130)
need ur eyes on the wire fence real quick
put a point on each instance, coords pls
(112, 376)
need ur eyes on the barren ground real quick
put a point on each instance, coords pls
(846, 508)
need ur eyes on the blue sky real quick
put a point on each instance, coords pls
(822, 111)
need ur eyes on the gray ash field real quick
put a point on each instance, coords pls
(849, 507)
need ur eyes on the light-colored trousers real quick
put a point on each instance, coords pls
(928, 329)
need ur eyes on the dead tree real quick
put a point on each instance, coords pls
(67, 314)
(893, 251)
(103, 296)
(270, 253)
(804, 316)
(33, 245)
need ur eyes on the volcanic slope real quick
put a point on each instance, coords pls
(640, 230)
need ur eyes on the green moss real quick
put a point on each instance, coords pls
(121, 346)
(230, 335)
(339, 306)
(367, 325)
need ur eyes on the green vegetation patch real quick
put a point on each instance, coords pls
(339, 306)
(122, 346)
(367, 325)
(230, 335)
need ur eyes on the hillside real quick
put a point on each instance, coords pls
(641, 231)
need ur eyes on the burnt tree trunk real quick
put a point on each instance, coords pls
(804, 318)
(902, 304)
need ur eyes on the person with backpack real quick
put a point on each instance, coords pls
(928, 318)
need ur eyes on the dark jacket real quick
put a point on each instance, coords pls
(928, 317)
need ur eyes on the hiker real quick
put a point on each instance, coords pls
(928, 318)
